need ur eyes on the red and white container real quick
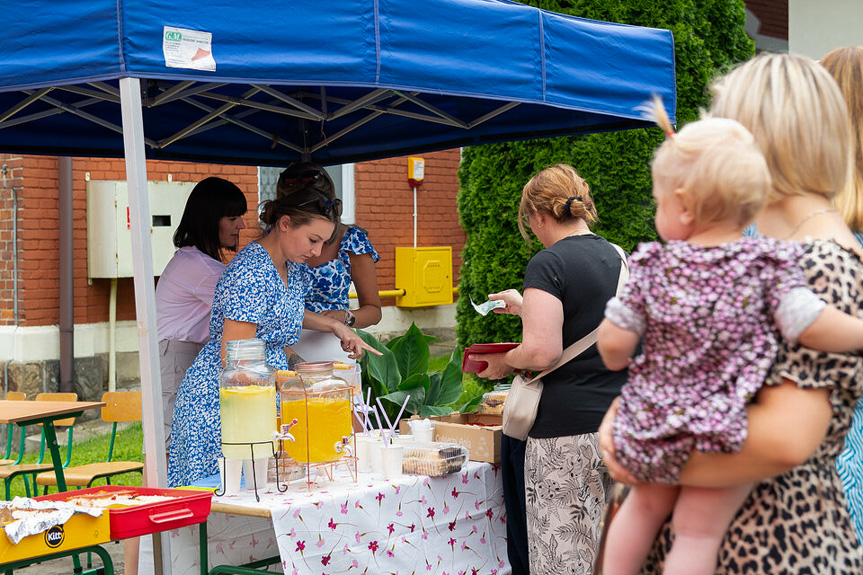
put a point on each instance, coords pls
(185, 507)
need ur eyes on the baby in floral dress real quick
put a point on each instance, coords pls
(708, 307)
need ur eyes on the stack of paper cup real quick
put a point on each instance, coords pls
(422, 430)
(255, 473)
(365, 444)
(391, 459)
(230, 470)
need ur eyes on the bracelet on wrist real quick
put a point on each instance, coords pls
(350, 319)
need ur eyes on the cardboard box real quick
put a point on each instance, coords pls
(80, 531)
(479, 433)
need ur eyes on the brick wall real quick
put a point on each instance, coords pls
(773, 15)
(384, 206)
(39, 237)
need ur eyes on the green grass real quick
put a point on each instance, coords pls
(127, 447)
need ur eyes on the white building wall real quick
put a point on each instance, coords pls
(817, 27)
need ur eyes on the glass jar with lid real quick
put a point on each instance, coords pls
(320, 402)
(247, 400)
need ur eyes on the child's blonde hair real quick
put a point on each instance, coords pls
(717, 165)
(558, 191)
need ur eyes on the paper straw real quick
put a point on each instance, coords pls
(401, 411)
(384, 436)
(360, 419)
(386, 417)
(368, 408)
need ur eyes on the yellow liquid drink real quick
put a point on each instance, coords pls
(328, 420)
(248, 416)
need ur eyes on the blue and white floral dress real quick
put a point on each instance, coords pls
(250, 290)
(331, 280)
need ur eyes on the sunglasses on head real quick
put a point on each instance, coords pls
(306, 177)
(325, 206)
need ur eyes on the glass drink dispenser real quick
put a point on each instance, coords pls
(247, 401)
(321, 405)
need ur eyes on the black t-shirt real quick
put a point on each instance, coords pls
(582, 272)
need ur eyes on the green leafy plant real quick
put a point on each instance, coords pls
(403, 370)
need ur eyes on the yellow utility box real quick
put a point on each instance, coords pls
(426, 276)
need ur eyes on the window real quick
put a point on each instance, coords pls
(342, 176)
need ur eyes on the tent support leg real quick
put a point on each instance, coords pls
(145, 296)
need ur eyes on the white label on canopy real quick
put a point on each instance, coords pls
(188, 49)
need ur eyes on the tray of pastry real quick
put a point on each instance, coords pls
(492, 402)
(137, 511)
(434, 459)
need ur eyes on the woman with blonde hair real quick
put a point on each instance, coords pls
(794, 519)
(566, 286)
(846, 66)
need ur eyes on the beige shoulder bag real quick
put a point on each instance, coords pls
(522, 401)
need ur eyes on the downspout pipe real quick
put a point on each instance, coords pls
(67, 300)
(5, 172)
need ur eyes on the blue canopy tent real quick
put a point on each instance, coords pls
(336, 82)
(266, 83)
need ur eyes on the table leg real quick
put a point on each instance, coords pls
(205, 560)
(54, 447)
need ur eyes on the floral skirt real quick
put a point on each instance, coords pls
(567, 487)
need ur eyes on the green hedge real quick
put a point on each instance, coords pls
(708, 38)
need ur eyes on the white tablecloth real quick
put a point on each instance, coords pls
(439, 526)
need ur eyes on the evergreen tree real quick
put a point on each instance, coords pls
(708, 39)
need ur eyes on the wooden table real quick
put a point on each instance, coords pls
(24, 413)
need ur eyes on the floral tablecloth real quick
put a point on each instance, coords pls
(452, 525)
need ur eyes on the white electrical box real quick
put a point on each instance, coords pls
(109, 233)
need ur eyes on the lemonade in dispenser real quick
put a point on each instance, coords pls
(247, 401)
(317, 406)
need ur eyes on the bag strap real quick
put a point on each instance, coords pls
(584, 343)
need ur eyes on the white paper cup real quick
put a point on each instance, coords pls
(259, 474)
(424, 435)
(391, 458)
(403, 440)
(364, 453)
(230, 471)
(376, 457)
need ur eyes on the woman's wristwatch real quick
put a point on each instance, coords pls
(350, 319)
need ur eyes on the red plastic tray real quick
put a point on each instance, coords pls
(186, 507)
(476, 365)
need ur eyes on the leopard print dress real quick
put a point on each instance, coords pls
(799, 522)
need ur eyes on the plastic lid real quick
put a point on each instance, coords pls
(245, 349)
(314, 367)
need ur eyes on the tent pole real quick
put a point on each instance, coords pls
(145, 297)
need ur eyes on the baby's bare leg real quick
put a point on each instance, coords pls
(631, 534)
(701, 518)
